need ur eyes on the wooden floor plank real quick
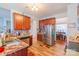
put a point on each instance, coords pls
(41, 49)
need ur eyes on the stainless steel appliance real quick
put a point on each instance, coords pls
(50, 35)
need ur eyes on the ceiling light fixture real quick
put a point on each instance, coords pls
(33, 7)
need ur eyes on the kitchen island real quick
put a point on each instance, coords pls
(15, 48)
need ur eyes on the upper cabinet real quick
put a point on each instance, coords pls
(26, 22)
(18, 21)
(47, 21)
(21, 22)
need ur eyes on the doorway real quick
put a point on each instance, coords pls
(61, 31)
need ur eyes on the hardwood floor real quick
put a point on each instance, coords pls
(41, 49)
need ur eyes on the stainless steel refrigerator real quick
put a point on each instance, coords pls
(50, 35)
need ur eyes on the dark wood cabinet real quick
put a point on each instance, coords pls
(30, 41)
(22, 52)
(50, 21)
(47, 21)
(26, 22)
(27, 39)
(40, 36)
(18, 21)
(21, 22)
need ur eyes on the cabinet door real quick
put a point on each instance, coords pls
(18, 21)
(26, 23)
(22, 52)
(51, 21)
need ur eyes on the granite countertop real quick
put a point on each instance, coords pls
(24, 36)
(76, 41)
(13, 46)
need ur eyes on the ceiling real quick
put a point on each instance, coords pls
(44, 9)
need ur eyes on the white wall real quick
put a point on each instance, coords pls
(34, 27)
(4, 17)
(72, 20)
(61, 24)
(57, 16)
(62, 20)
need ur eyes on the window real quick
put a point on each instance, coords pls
(61, 28)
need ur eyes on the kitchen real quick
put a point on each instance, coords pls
(35, 30)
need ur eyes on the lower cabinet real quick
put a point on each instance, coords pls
(22, 52)
(40, 36)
